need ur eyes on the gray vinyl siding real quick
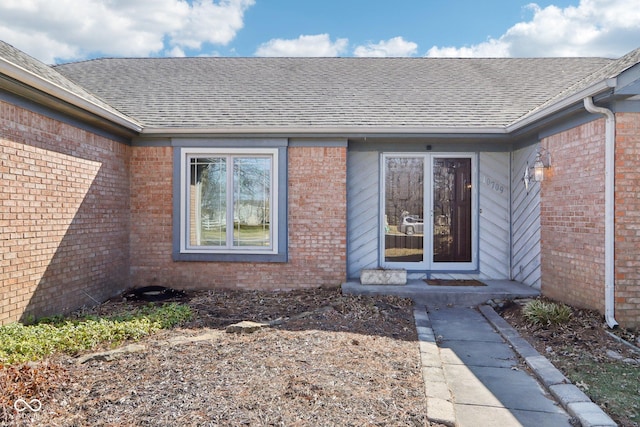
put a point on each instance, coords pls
(363, 207)
(526, 221)
(494, 232)
(363, 187)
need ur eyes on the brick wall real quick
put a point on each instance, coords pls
(317, 227)
(627, 217)
(572, 217)
(64, 219)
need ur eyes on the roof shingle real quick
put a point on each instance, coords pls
(49, 74)
(353, 93)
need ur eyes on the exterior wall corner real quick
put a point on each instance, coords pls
(64, 223)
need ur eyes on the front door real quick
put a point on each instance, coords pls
(428, 212)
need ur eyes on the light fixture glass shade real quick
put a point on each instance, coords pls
(526, 179)
(538, 171)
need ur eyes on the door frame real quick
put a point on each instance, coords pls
(428, 265)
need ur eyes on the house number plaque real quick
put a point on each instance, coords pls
(492, 183)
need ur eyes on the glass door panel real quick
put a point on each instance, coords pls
(452, 228)
(442, 184)
(403, 198)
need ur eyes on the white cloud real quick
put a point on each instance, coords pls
(608, 28)
(319, 45)
(211, 22)
(396, 46)
(72, 29)
(64, 30)
(490, 49)
(175, 52)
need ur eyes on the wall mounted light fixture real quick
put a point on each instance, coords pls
(536, 172)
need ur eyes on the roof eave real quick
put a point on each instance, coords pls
(564, 103)
(34, 81)
(343, 132)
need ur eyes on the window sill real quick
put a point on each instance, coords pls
(228, 257)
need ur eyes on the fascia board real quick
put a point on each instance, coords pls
(349, 132)
(30, 79)
(632, 89)
(629, 81)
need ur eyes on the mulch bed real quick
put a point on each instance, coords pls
(328, 360)
(567, 345)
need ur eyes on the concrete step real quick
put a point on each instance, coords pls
(463, 296)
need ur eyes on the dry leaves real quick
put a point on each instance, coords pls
(583, 350)
(329, 360)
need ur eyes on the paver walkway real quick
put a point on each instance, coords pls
(478, 371)
(488, 385)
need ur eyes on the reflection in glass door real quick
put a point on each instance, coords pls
(451, 210)
(404, 209)
(440, 236)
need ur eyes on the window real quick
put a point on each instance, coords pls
(229, 204)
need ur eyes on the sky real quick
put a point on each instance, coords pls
(74, 30)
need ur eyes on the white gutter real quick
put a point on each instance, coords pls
(609, 203)
(31, 79)
(334, 131)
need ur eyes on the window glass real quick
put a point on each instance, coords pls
(404, 209)
(251, 201)
(452, 210)
(229, 202)
(427, 221)
(208, 202)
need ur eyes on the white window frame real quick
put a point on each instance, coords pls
(186, 154)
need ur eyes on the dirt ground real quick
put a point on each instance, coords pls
(327, 360)
(582, 346)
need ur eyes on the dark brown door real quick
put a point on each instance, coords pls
(452, 210)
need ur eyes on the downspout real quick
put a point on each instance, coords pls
(609, 202)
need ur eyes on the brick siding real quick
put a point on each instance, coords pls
(627, 217)
(316, 229)
(64, 226)
(572, 218)
(83, 217)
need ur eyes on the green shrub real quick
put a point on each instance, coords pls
(539, 312)
(22, 343)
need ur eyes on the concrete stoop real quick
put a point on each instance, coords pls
(464, 296)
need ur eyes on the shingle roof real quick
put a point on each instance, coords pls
(314, 93)
(610, 70)
(49, 74)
